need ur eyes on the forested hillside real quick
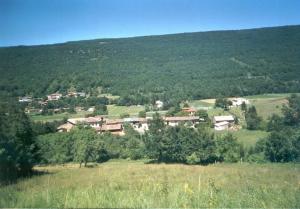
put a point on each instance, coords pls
(141, 69)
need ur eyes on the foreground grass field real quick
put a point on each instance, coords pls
(118, 184)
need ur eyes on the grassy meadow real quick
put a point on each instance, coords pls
(267, 106)
(117, 184)
(116, 111)
(246, 137)
(58, 116)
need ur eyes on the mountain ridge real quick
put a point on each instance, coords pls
(151, 35)
(141, 69)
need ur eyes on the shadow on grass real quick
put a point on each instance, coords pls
(177, 163)
(14, 178)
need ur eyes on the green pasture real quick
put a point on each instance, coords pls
(128, 184)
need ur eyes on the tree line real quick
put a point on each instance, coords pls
(24, 144)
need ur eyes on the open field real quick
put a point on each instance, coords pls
(130, 184)
(201, 104)
(59, 116)
(116, 111)
(268, 106)
(268, 96)
(246, 137)
(113, 111)
(110, 96)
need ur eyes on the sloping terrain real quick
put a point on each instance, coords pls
(141, 69)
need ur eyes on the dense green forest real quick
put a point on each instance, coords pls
(142, 69)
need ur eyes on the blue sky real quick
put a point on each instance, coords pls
(31, 22)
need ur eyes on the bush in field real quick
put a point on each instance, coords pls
(142, 114)
(223, 103)
(252, 119)
(187, 145)
(292, 111)
(55, 148)
(81, 145)
(41, 128)
(193, 159)
(229, 150)
(275, 123)
(283, 143)
(100, 109)
(283, 147)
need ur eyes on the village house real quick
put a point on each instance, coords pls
(223, 122)
(75, 121)
(81, 94)
(115, 129)
(91, 109)
(43, 103)
(65, 127)
(222, 126)
(94, 122)
(71, 94)
(75, 94)
(54, 97)
(25, 99)
(32, 110)
(115, 126)
(159, 104)
(175, 121)
(191, 111)
(114, 121)
(138, 124)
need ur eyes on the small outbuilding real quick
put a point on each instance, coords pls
(222, 126)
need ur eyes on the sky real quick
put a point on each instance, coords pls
(33, 22)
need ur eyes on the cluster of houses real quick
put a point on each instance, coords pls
(53, 97)
(57, 96)
(116, 126)
(50, 97)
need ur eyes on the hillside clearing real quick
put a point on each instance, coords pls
(58, 116)
(116, 111)
(130, 184)
(246, 137)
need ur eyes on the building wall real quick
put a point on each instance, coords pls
(221, 128)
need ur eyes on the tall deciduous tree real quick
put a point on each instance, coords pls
(17, 144)
(252, 119)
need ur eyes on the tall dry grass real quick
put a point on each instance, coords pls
(135, 184)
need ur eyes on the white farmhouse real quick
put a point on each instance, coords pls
(138, 124)
(25, 99)
(239, 101)
(54, 97)
(159, 104)
(175, 121)
(222, 126)
(223, 122)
